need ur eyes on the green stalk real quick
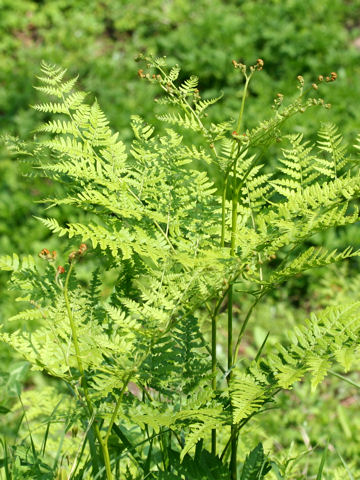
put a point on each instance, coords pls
(103, 445)
(244, 325)
(241, 114)
(345, 379)
(72, 323)
(213, 371)
(223, 201)
(214, 364)
(116, 409)
(233, 458)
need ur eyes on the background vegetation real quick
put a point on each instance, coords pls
(98, 40)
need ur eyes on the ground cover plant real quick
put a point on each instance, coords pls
(140, 389)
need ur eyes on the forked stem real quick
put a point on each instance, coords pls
(234, 208)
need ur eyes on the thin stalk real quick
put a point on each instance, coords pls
(230, 364)
(116, 409)
(209, 350)
(213, 371)
(235, 199)
(223, 202)
(244, 325)
(71, 320)
(241, 114)
(214, 364)
(238, 126)
(253, 221)
(233, 231)
(345, 379)
(103, 446)
(233, 460)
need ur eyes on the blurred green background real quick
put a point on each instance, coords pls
(98, 40)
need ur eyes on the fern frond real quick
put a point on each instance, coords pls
(331, 142)
(311, 258)
(203, 104)
(316, 345)
(256, 465)
(14, 264)
(247, 396)
(318, 367)
(297, 167)
(51, 108)
(198, 432)
(58, 126)
(53, 73)
(189, 86)
(174, 73)
(187, 121)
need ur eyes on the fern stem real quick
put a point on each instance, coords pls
(71, 320)
(103, 445)
(213, 371)
(214, 362)
(233, 473)
(235, 199)
(105, 452)
(223, 203)
(345, 379)
(244, 325)
(117, 406)
(241, 114)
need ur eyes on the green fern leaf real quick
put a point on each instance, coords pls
(256, 465)
(247, 396)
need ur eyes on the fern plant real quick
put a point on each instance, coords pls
(147, 391)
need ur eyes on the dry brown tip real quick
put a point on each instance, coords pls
(82, 249)
(72, 256)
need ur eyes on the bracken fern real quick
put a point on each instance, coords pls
(147, 389)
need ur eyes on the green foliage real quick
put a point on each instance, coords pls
(256, 465)
(99, 40)
(145, 386)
